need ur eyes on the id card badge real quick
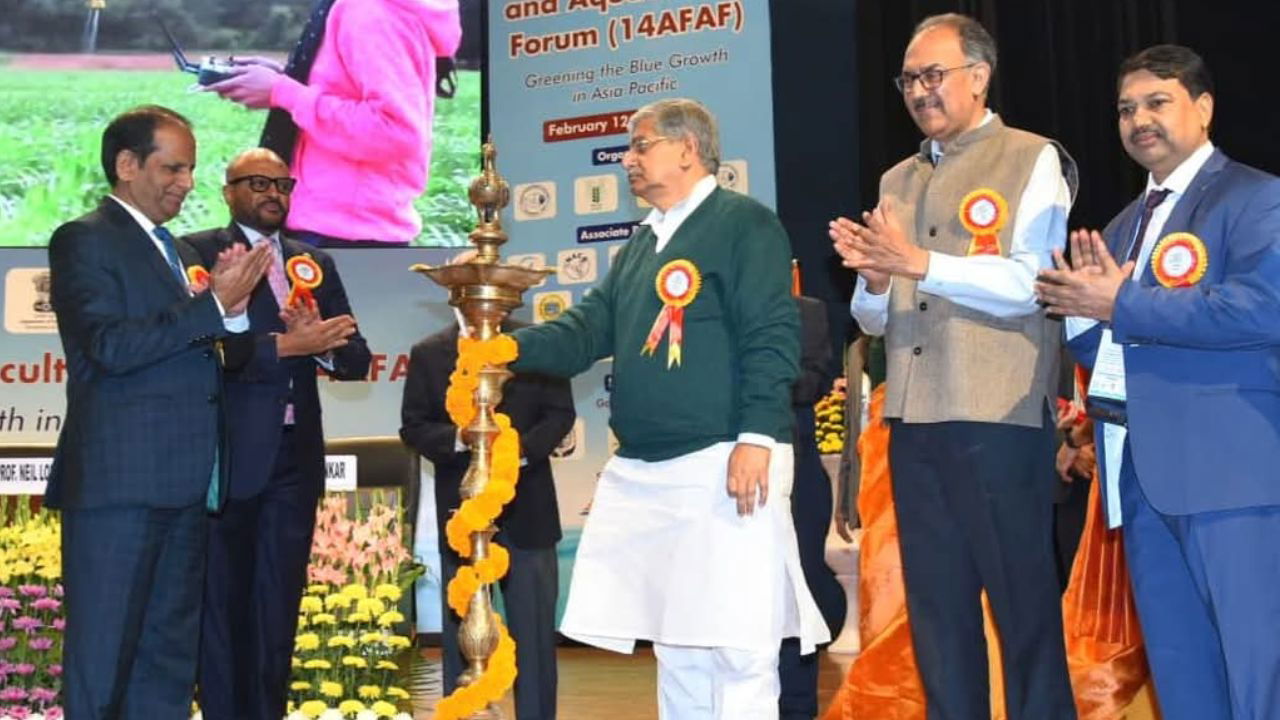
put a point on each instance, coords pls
(1108, 370)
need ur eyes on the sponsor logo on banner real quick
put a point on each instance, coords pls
(24, 476)
(573, 446)
(611, 155)
(550, 305)
(535, 200)
(340, 473)
(595, 194)
(606, 232)
(27, 308)
(733, 176)
(533, 261)
(576, 266)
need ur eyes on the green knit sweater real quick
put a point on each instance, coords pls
(741, 334)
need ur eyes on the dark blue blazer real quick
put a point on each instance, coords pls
(143, 396)
(1202, 364)
(259, 384)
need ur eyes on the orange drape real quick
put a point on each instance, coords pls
(1104, 647)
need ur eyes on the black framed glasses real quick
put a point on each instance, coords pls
(260, 183)
(931, 78)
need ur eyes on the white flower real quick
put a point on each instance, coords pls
(331, 714)
(402, 716)
(366, 715)
(296, 715)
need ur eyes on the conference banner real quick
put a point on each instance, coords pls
(564, 77)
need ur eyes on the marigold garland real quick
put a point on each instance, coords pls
(477, 514)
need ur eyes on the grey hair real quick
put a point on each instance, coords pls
(975, 42)
(680, 117)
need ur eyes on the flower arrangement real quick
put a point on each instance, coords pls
(344, 654)
(829, 423)
(31, 619)
(476, 514)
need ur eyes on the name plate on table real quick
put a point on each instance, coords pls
(24, 476)
(340, 473)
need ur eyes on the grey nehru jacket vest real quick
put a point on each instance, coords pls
(945, 361)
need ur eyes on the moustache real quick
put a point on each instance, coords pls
(1148, 130)
(921, 104)
(271, 203)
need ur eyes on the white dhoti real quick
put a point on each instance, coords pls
(664, 556)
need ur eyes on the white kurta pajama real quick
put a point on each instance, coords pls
(664, 556)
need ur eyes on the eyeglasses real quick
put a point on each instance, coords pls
(640, 146)
(930, 78)
(260, 183)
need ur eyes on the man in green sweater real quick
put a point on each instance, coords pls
(690, 543)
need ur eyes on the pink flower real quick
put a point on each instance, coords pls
(18, 712)
(40, 643)
(6, 591)
(54, 670)
(43, 695)
(7, 643)
(24, 669)
(59, 624)
(46, 603)
(53, 713)
(13, 694)
(9, 604)
(26, 623)
(57, 592)
(32, 590)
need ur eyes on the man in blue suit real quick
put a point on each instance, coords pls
(137, 461)
(260, 544)
(1183, 336)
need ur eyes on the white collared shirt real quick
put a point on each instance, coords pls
(237, 324)
(664, 226)
(998, 286)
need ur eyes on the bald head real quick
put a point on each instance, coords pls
(253, 190)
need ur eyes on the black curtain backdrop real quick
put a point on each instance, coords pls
(839, 123)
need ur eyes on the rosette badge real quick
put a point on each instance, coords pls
(984, 213)
(305, 275)
(677, 284)
(1179, 260)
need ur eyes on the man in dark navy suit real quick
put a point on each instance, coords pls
(1173, 306)
(260, 544)
(137, 462)
(541, 410)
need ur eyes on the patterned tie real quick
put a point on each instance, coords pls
(275, 273)
(280, 132)
(1154, 198)
(171, 254)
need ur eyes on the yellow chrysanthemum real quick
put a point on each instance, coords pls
(383, 709)
(295, 662)
(328, 688)
(398, 641)
(345, 641)
(353, 661)
(337, 600)
(313, 708)
(350, 707)
(388, 592)
(299, 685)
(356, 591)
(324, 619)
(317, 664)
(318, 589)
(370, 637)
(369, 692)
(372, 606)
(307, 641)
(387, 665)
(389, 618)
(311, 604)
(359, 617)
(302, 621)
(398, 693)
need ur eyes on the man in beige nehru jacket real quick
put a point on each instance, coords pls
(946, 272)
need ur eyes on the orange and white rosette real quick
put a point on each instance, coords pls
(983, 213)
(197, 278)
(677, 284)
(1179, 260)
(305, 275)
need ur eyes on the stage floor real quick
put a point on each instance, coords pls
(597, 684)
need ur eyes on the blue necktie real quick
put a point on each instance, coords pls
(171, 254)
